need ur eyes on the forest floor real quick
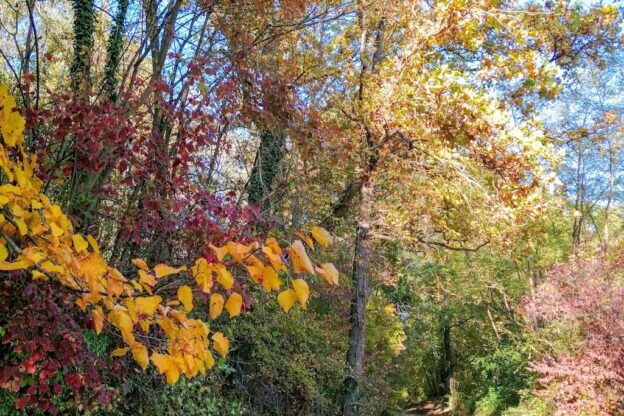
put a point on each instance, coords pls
(426, 409)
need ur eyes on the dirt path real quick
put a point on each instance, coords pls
(426, 409)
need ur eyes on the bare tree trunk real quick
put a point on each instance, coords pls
(361, 261)
(579, 213)
(605, 242)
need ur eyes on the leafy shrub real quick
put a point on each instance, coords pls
(579, 309)
(288, 364)
(501, 376)
(200, 396)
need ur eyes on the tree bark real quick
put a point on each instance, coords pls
(361, 262)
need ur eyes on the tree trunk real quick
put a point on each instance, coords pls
(447, 366)
(114, 51)
(355, 354)
(84, 28)
(266, 169)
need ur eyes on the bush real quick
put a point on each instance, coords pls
(288, 364)
(501, 376)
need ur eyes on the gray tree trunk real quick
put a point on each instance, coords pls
(361, 263)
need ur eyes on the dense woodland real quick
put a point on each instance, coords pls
(311, 207)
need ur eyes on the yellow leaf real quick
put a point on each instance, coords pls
(80, 244)
(200, 365)
(132, 310)
(216, 305)
(50, 267)
(168, 326)
(173, 374)
(299, 258)
(147, 288)
(145, 325)
(136, 286)
(33, 254)
(270, 281)
(302, 291)
(82, 303)
(185, 296)
(240, 251)
(163, 270)
(93, 267)
(146, 278)
(220, 252)
(255, 268)
(140, 264)
(221, 343)
(18, 265)
(287, 299)
(147, 305)
(140, 355)
(94, 244)
(119, 352)
(12, 126)
(306, 239)
(179, 316)
(322, 236)
(4, 253)
(272, 251)
(23, 228)
(272, 244)
(116, 275)
(114, 287)
(329, 273)
(209, 359)
(190, 369)
(122, 321)
(56, 230)
(98, 319)
(162, 362)
(224, 277)
(234, 304)
(36, 275)
(202, 272)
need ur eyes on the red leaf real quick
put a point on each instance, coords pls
(22, 402)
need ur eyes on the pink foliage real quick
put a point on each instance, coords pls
(582, 301)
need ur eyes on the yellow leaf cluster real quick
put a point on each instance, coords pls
(11, 123)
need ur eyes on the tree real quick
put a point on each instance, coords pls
(417, 115)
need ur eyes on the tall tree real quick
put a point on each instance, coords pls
(419, 118)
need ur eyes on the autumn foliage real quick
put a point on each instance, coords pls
(582, 304)
(152, 311)
(311, 207)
